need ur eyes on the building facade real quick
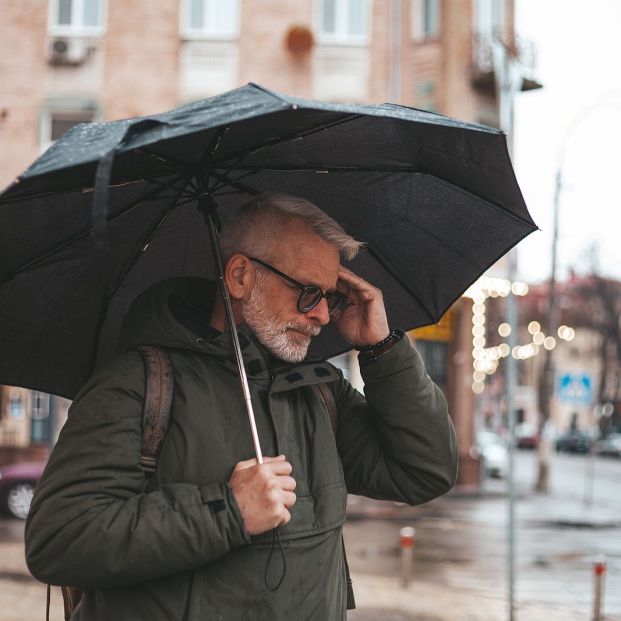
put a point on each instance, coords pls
(64, 62)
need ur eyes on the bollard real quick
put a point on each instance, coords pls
(406, 543)
(599, 574)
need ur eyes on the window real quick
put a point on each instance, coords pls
(343, 21)
(210, 19)
(59, 115)
(81, 17)
(425, 19)
(207, 68)
(489, 17)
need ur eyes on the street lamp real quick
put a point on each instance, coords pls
(546, 387)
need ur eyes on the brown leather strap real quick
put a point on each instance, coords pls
(71, 598)
(160, 384)
(328, 399)
(157, 404)
(330, 403)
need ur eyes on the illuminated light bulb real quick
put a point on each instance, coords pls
(519, 288)
(478, 331)
(504, 350)
(478, 376)
(539, 338)
(478, 307)
(534, 327)
(549, 343)
(478, 387)
(571, 334)
(478, 320)
(515, 352)
(504, 329)
(478, 341)
(504, 288)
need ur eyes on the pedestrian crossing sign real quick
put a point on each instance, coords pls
(575, 388)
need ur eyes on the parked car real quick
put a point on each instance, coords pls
(527, 436)
(17, 485)
(492, 449)
(610, 446)
(573, 441)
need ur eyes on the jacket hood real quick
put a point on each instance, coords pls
(173, 313)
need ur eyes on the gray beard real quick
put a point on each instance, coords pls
(273, 336)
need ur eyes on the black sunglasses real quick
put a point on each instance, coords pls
(310, 295)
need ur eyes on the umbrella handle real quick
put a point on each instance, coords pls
(208, 213)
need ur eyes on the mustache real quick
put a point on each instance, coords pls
(304, 329)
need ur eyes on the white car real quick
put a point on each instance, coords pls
(493, 451)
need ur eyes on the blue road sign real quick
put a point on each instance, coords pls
(575, 388)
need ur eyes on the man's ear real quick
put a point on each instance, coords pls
(239, 276)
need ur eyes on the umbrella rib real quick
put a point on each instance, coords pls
(145, 243)
(309, 132)
(378, 169)
(81, 234)
(378, 257)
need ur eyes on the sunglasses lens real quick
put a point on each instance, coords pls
(335, 299)
(311, 296)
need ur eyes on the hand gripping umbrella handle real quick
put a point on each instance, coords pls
(208, 213)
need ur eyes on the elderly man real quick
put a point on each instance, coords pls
(198, 541)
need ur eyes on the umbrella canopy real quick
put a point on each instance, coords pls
(435, 200)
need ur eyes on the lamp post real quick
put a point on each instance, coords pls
(546, 387)
(509, 81)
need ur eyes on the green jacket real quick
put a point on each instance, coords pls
(177, 549)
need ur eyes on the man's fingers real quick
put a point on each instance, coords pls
(352, 283)
(248, 463)
(288, 499)
(287, 483)
(278, 467)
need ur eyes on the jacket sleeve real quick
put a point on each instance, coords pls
(91, 523)
(399, 443)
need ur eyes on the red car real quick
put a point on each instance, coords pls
(17, 484)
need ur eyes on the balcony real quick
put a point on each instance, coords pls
(483, 77)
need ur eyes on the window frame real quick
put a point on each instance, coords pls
(419, 20)
(489, 17)
(75, 28)
(52, 108)
(188, 32)
(340, 36)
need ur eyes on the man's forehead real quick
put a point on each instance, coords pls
(308, 256)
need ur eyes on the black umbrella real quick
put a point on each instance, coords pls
(435, 200)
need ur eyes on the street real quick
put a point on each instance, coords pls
(460, 555)
(461, 543)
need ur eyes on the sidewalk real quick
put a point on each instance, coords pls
(448, 584)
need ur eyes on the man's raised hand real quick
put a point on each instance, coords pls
(363, 321)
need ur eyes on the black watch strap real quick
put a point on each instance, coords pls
(373, 352)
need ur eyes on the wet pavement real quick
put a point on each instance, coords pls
(460, 557)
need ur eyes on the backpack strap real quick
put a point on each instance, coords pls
(160, 385)
(328, 399)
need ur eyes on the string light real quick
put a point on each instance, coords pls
(485, 360)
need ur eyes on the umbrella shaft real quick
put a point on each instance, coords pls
(215, 244)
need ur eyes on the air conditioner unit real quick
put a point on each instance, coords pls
(67, 51)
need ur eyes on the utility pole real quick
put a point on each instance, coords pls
(509, 81)
(394, 76)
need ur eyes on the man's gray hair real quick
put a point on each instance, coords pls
(254, 227)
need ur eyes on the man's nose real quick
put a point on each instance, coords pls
(320, 313)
